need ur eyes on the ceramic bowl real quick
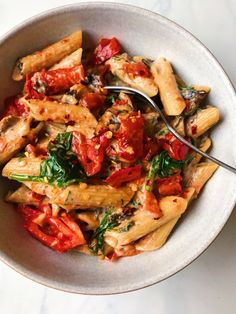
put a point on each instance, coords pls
(141, 33)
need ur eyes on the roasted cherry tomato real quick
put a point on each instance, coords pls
(90, 152)
(170, 186)
(150, 148)
(29, 91)
(61, 234)
(136, 69)
(35, 151)
(121, 176)
(129, 138)
(176, 149)
(57, 81)
(106, 49)
(13, 107)
(92, 101)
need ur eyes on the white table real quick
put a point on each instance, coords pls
(209, 284)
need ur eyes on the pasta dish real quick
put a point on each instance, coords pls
(97, 171)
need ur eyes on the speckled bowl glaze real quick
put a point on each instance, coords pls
(144, 33)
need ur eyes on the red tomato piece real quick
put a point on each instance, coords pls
(90, 152)
(57, 81)
(121, 176)
(150, 148)
(92, 101)
(149, 202)
(176, 149)
(13, 107)
(29, 91)
(35, 151)
(106, 49)
(170, 186)
(129, 138)
(136, 69)
(61, 234)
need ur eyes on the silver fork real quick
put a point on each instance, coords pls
(133, 91)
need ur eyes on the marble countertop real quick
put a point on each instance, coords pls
(208, 285)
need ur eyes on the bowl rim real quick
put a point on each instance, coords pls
(50, 283)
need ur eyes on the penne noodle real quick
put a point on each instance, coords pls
(48, 56)
(158, 237)
(178, 124)
(90, 218)
(202, 121)
(49, 132)
(204, 145)
(69, 61)
(144, 223)
(15, 133)
(170, 95)
(42, 110)
(22, 195)
(200, 174)
(82, 196)
(144, 84)
(22, 165)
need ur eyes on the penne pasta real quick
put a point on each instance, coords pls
(170, 95)
(22, 165)
(48, 56)
(69, 61)
(158, 237)
(80, 196)
(49, 133)
(15, 133)
(23, 195)
(144, 84)
(202, 121)
(200, 174)
(178, 124)
(144, 223)
(42, 110)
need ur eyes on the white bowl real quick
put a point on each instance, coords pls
(144, 33)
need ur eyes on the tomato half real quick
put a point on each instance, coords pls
(90, 152)
(92, 101)
(106, 49)
(170, 186)
(57, 81)
(176, 149)
(60, 234)
(121, 176)
(13, 107)
(129, 138)
(136, 69)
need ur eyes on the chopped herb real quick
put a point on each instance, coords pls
(163, 132)
(147, 62)
(23, 177)
(127, 227)
(108, 222)
(61, 168)
(162, 166)
(111, 99)
(134, 203)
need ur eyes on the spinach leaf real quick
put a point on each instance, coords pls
(108, 222)
(162, 166)
(61, 168)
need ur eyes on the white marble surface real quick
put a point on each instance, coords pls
(209, 284)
